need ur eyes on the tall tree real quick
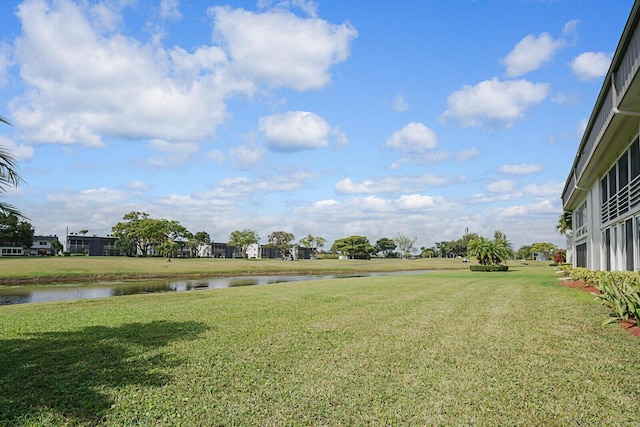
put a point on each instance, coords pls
(282, 241)
(479, 248)
(427, 252)
(313, 242)
(15, 230)
(385, 246)
(243, 239)
(143, 233)
(9, 177)
(405, 245)
(354, 246)
(169, 249)
(488, 252)
(524, 252)
(131, 232)
(499, 236)
(545, 248)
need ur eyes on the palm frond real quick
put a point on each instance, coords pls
(8, 173)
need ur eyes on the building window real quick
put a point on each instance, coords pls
(623, 171)
(581, 255)
(580, 220)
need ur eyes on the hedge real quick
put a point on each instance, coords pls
(489, 267)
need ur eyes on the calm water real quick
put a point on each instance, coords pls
(23, 294)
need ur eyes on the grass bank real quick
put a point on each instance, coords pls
(442, 348)
(60, 269)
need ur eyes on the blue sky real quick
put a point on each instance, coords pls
(419, 118)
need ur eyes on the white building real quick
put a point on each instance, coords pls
(603, 188)
(253, 251)
(42, 245)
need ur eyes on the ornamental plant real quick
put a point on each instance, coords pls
(488, 252)
(621, 293)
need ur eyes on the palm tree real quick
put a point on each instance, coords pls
(489, 252)
(9, 177)
(169, 249)
(499, 236)
(565, 223)
(479, 248)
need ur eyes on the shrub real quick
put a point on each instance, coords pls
(621, 293)
(618, 290)
(495, 267)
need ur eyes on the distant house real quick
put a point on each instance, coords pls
(253, 251)
(539, 256)
(602, 191)
(269, 252)
(42, 246)
(11, 249)
(223, 250)
(92, 245)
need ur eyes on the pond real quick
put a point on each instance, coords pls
(23, 294)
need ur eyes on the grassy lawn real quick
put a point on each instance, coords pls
(88, 268)
(441, 348)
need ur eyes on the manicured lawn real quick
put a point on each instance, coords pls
(87, 268)
(441, 348)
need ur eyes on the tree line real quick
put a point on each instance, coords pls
(138, 234)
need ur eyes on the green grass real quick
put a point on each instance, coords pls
(441, 348)
(49, 269)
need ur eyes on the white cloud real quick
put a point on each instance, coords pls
(341, 139)
(416, 201)
(521, 169)
(530, 54)
(542, 207)
(391, 184)
(84, 84)
(570, 27)
(178, 153)
(434, 157)
(278, 48)
(321, 204)
(400, 104)
(185, 148)
(245, 156)
(571, 97)
(19, 151)
(591, 65)
(138, 186)
(295, 131)
(85, 198)
(169, 9)
(581, 126)
(86, 81)
(413, 138)
(547, 190)
(467, 154)
(4, 63)
(494, 103)
(504, 186)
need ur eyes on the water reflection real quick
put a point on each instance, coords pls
(42, 293)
